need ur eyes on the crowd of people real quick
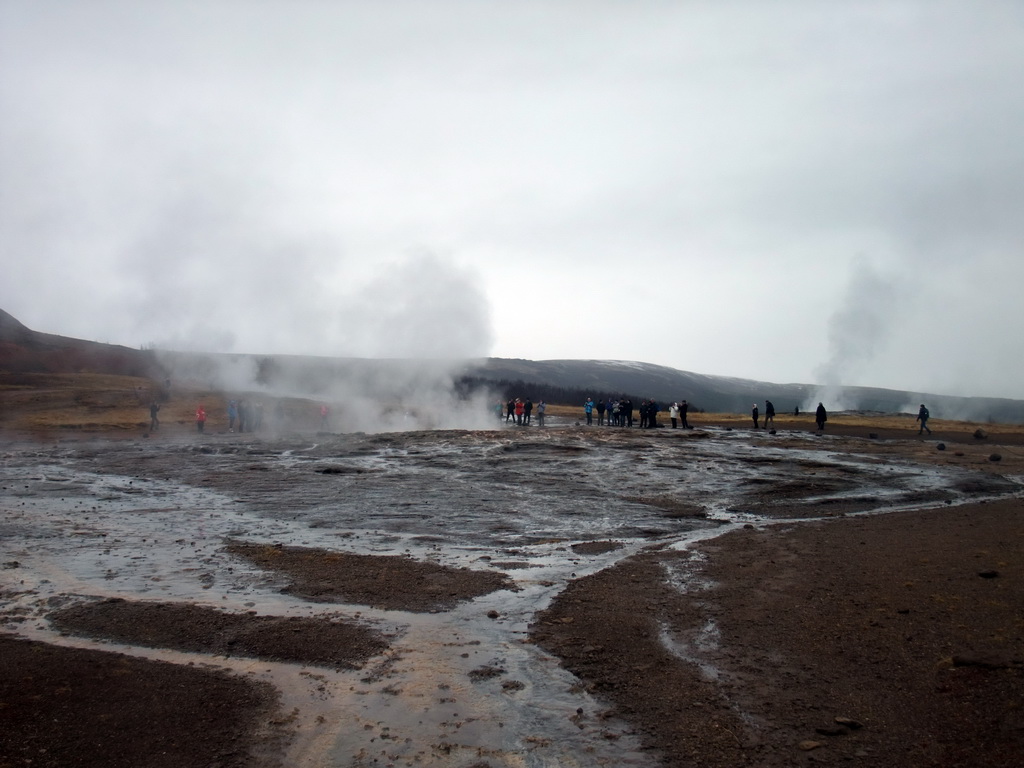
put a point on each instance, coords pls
(520, 412)
(248, 415)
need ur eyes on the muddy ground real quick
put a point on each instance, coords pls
(570, 596)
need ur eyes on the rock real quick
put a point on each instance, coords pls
(873, 435)
(941, 446)
(980, 434)
(991, 574)
(493, 614)
(807, 745)
(849, 722)
(995, 457)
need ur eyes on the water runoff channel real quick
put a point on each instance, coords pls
(147, 520)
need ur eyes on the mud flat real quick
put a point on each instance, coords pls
(568, 596)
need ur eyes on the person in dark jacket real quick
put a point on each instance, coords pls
(922, 416)
(821, 416)
(754, 416)
(769, 413)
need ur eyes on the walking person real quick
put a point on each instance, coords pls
(820, 417)
(154, 422)
(769, 413)
(923, 416)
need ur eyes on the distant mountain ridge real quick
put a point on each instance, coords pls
(25, 351)
(733, 395)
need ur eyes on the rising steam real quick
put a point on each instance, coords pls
(857, 332)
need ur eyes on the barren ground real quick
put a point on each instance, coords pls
(807, 632)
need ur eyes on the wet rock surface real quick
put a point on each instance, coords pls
(567, 596)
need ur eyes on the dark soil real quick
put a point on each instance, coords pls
(888, 640)
(390, 582)
(62, 707)
(184, 627)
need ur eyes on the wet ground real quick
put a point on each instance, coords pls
(435, 551)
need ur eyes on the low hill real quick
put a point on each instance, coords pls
(24, 351)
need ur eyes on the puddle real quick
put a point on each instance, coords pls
(149, 521)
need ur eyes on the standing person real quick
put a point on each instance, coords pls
(527, 410)
(588, 410)
(643, 414)
(753, 414)
(627, 412)
(499, 409)
(922, 416)
(820, 417)
(673, 414)
(200, 418)
(683, 408)
(541, 407)
(232, 415)
(154, 422)
(511, 408)
(600, 412)
(325, 413)
(519, 411)
(769, 413)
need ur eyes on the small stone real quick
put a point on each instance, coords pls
(995, 457)
(493, 614)
(988, 574)
(980, 434)
(849, 722)
(941, 446)
(807, 745)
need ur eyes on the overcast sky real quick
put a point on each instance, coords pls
(793, 191)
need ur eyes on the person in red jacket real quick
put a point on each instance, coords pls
(200, 418)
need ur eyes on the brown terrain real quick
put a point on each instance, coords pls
(880, 640)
